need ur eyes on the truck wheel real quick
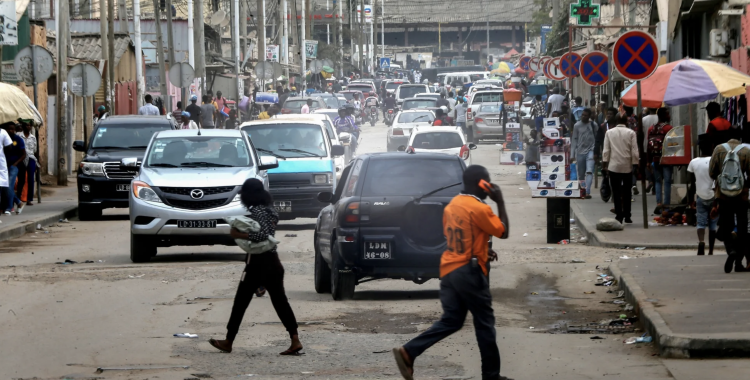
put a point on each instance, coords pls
(322, 272)
(89, 212)
(342, 283)
(141, 248)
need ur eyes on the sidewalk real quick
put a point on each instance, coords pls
(587, 213)
(61, 203)
(689, 305)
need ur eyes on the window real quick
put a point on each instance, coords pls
(125, 136)
(414, 117)
(476, 77)
(288, 140)
(495, 108)
(351, 185)
(410, 104)
(410, 91)
(331, 102)
(199, 151)
(437, 140)
(393, 85)
(487, 97)
(412, 177)
(359, 87)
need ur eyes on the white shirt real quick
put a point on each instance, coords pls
(149, 109)
(305, 109)
(190, 125)
(30, 146)
(704, 185)
(5, 140)
(555, 101)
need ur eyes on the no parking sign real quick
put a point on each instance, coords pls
(595, 68)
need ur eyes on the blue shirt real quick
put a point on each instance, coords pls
(15, 150)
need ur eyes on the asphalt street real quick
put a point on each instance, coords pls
(67, 321)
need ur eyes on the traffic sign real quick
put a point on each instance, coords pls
(570, 64)
(595, 68)
(385, 63)
(84, 79)
(524, 62)
(44, 64)
(182, 74)
(554, 71)
(545, 67)
(534, 64)
(635, 55)
(584, 11)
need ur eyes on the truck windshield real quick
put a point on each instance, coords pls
(125, 136)
(199, 151)
(412, 177)
(292, 140)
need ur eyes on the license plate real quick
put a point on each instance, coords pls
(377, 250)
(283, 206)
(122, 187)
(493, 121)
(196, 223)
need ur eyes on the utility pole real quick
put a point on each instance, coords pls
(303, 51)
(111, 56)
(328, 25)
(341, 38)
(371, 46)
(260, 20)
(140, 85)
(285, 40)
(308, 10)
(360, 31)
(382, 28)
(160, 51)
(105, 48)
(62, 18)
(243, 29)
(200, 48)
(191, 36)
(556, 10)
(122, 14)
(170, 42)
(234, 6)
(488, 39)
(631, 12)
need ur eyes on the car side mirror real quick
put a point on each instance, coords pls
(337, 150)
(129, 164)
(325, 197)
(401, 148)
(268, 162)
(79, 146)
(472, 146)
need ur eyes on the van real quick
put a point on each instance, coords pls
(465, 78)
(306, 160)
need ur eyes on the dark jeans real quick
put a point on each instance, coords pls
(729, 209)
(621, 184)
(30, 172)
(3, 198)
(464, 289)
(264, 270)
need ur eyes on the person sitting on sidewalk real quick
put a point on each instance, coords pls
(729, 166)
(619, 157)
(582, 149)
(702, 186)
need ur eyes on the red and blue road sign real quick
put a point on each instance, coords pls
(570, 64)
(635, 55)
(524, 62)
(595, 68)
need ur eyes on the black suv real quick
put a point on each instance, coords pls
(385, 220)
(102, 183)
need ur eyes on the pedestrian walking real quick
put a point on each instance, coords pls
(460, 113)
(187, 123)
(5, 143)
(719, 129)
(219, 103)
(582, 149)
(701, 188)
(538, 113)
(26, 178)
(15, 153)
(649, 120)
(662, 173)
(578, 109)
(468, 223)
(262, 269)
(194, 110)
(207, 119)
(554, 101)
(619, 156)
(149, 108)
(729, 166)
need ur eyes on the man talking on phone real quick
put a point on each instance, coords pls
(468, 223)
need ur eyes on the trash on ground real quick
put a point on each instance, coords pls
(564, 241)
(589, 292)
(64, 220)
(525, 234)
(139, 276)
(640, 339)
(608, 224)
(577, 261)
(545, 248)
(186, 335)
(639, 248)
(290, 235)
(381, 352)
(583, 239)
(39, 227)
(531, 327)
(628, 307)
(618, 302)
(596, 337)
(599, 328)
(624, 257)
(534, 293)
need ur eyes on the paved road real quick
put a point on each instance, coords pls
(62, 320)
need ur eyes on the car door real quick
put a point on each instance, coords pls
(327, 216)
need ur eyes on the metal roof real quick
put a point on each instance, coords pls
(457, 11)
(88, 47)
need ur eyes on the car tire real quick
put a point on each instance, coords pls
(322, 272)
(142, 248)
(89, 212)
(342, 283)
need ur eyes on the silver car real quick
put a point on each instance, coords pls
(488, 122)
(403, 124)
(189, 182)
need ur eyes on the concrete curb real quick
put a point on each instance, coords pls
(597, 238)
(673, 345)
(19, 230)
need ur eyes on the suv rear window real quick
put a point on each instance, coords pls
(411, 91)
(412, 177)
(437, 140)
(296, 105)
(393, 85)
(360, 87)
(126, 136)
(485, 97)
(410, 104)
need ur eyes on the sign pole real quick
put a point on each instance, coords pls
(570, 88)
(643, 169)
(85, 130)
(38, 176)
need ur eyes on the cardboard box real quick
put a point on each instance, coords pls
(552, 159)
(512, 157)
(568, 189)
(553, 169)
(533, 175)
(542, 193)
(552, 177)
(551, 122)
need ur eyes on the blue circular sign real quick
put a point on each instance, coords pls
(635, 55)
(595, 68)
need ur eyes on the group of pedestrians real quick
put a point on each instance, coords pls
(18, 165)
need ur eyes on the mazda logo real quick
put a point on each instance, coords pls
(196, 194)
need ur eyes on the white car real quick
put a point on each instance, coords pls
(448, 140)
(403, 123)
(324, 116)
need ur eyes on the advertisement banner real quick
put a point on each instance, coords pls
(311, 49)
(9, 24)
(368, 14)
(543, 46)
(272, 53)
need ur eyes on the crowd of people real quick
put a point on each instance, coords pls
(18, 166)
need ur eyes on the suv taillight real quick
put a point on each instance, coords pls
(469, 116)
(352, 213)
(398, 132)
(464, 153)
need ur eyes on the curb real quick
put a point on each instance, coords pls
(671, 345)
(596, 238)
(30, 225)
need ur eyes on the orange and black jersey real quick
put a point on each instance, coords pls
(467, 224)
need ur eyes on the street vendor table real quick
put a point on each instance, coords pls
(558, 219)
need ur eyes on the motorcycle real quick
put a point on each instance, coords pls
(389, 117)
(373, 115)
(358, 117)
(345, 139)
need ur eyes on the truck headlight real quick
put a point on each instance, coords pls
(320, 179)
(143, 191)
(94, 169)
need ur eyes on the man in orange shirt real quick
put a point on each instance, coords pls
(468, 223)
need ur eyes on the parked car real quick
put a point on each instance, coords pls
(188, 185)
(483, 96)
(102, 183)
(306, 165)
(446, 140)
(406, 91)
(403, 123)
(294, 104)
(384, 220)
(418, 103)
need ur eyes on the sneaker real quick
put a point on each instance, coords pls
(20, 207)
(628, 220)
(6, 213)
(701, 249)
(587, 196)
(728, 264)
(635, 190)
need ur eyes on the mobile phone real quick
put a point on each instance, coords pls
(474, 262)
(484, 185)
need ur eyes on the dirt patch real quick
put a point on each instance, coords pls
(380, 322)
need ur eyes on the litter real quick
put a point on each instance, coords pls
(290, 235)
(140, 368)
(628, 307)
(64, 220)
(307, 373)
(564, 241)
(639, 248)
(69, 262)
(620, 294)
(531, 327)
(583, 239)
(589, 292)
(525, 234)
(131, 276)
(596, 337)
(618, 302)
(545, 248)
(186, 335)
(577, 261)
(624, 257)
(596, 328)
(534, 293)
(381, 352)
(641, 339)
(39, 227)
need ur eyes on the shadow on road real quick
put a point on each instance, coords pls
(295, 227)
(396, 295)
(198, 257)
